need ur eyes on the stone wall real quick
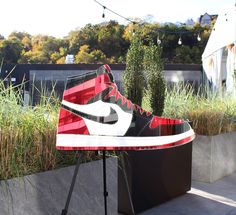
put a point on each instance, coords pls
(213, 157)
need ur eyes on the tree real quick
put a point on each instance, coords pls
(58, 57)
(156, 84)
(110, 40)
(188, 55)
(129, 31)
(84, 56)
(133, 76)
(26, 42)
(84, 36)
(61, 60)
(98, 56)
(149, 32)
(43, 49)
(182, 54)
(10, 50)
(37, 54)
(34, 57)
(19, 35)
(24, 37)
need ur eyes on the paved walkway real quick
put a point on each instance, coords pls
(218, 198)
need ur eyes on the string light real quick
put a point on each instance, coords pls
(158, 41)
(199, 38)
(180, 33)
(112, 11)
(103, 14)
(159, 30)
(180, 41)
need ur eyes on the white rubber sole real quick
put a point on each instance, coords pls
(95, 142)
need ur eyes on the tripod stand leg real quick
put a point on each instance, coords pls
(65, 210)
(123, 168)
(105, 193)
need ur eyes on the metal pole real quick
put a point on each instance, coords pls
(105, 193)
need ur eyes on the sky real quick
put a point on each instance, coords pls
(58, 17)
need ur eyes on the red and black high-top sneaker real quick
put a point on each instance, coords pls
(95, 116)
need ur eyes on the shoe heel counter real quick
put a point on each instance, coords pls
(69, 123)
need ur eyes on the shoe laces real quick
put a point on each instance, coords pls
(141, 110)
(115, 92)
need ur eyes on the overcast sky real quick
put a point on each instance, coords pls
(59, 17)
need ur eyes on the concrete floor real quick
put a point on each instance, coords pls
(45, 194)
(218, 198)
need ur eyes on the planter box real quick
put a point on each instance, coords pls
(153, 177)
(213, 157)
(45, 193)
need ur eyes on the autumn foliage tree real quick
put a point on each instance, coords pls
(107, 42)
(10, 50)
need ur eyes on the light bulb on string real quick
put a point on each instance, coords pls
(132, 32)
(103, 14)
(199, 38)
(180, 41)
(112, 11)
(158, 41)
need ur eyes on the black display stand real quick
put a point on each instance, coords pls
(65, 210)
(105, 193)
(149, 178)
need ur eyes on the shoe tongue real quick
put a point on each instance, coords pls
(105, 69)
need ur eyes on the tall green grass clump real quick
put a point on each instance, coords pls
(28, 134)
(210, 115)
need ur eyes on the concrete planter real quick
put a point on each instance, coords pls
(213, 157)
(45, 193)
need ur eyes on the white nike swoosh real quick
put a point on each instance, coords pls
(102, 109)
(98, 108)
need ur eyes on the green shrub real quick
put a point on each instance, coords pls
(156, 85)
(133, 78)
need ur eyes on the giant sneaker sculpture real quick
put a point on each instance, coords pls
(95, 116)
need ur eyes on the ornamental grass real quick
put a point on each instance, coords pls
(211, 115)
(28, 135)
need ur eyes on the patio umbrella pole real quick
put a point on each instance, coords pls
(65, 210)
(105, 193)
